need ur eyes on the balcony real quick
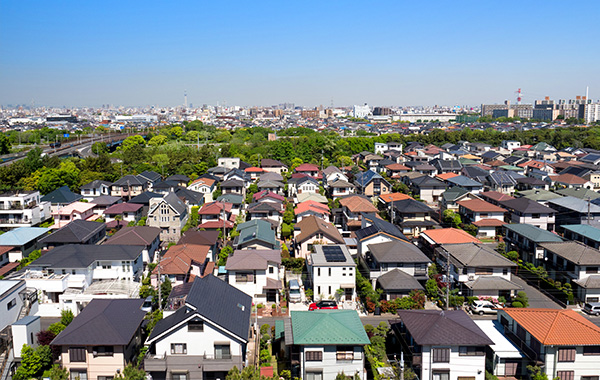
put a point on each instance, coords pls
(209, 362)
(523, 346)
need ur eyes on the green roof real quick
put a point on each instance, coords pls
(467, 161)
(584, 230)
(328, 327)
(279, 328)
(539, 195)
(257, 229)
(533, 233)
(511, 167)
(579, 193)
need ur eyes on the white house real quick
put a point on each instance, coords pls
(22, 209)
(332, 268)
(256, 272)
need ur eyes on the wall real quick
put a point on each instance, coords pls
(330, 366)
(339, 275)
(95, 366)
(468, 366)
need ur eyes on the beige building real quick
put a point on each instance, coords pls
(168, 213)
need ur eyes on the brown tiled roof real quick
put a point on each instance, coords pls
(489, 223)
(479, 205)
(556, 326)
(178, 259)
(394, 197)
(358, 204)
(139, 235)
(312, 225)
(569, 178)
(120, 208)
(496, 195)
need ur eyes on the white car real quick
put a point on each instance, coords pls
(484, 307)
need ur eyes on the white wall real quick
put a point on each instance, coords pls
(330, 366)
(25, 334)
(323, 282)
(9, 316)
(468, 366)
(584, 365)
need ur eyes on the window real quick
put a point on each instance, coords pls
(179, 376)
(318, 272)
(438, 375)
(178, 348)
(484, 271)
(591, 350)
(242, 277)
(590, 378)
(345, 353)
(314, 356)
(314, 375)
(77, 354)
(106, 266)
(126, 266)
(78, 374)
(566, 354)
(11, 304)
(441, 355)
(222, 351)
(470, 351)
(195, 326)
(330, 273)
(271, 270)
(106, 377)
(103, 351)
(504, 271)
(591, 269)
(566, 375)
(535, 216)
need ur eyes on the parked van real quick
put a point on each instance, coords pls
(592, 308)
(295, 292)
(147, 305)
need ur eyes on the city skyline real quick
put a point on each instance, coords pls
(387, 54)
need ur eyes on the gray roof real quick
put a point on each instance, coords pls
(378, 226)
(232, 183)
(450, 327)
(248, 259)
(476, 255)
(105, 200)
(137, 235)
(464, 181)
(398, 280)
(83, 255)
(236, 199)
(77, 231)
(533, 233)
(129, 180)
(575, 204)
(539, 195)
(111, 322)
(579, 192)
(526, 206)
(95, 184)
(318, 257)
(397, 251)
(589, 282)
(222, 304)
(62, 195)
(492, 283)
(410, 206)
(172, 200)
(454, 193)
(574, 251)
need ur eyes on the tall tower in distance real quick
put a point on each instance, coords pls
(185, 104)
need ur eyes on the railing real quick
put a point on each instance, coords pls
(522, 345)
(217, 357)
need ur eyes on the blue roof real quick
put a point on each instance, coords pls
(22, 235)
(26, 320)
(462, 180)
(584, 230)
(366, 177)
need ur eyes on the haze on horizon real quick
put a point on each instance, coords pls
(136, 53)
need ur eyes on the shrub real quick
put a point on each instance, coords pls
(264, 329)
(522, 299)
(517, 304)
(512, 255)
(260, 306)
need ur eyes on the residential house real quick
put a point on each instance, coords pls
(340, 188)
(413, 217)
(256, 272)
(256, 234)
(316, 197)
(302, 185)
(128, 212)
(309, 208)
(396, 283)
(77, 232)
(570, 180)
(144, 200)
(539, 195)
(74, 211)
(332, 174)
(352, 209)
(504, 359)
(182, 180)
(372, 162)
(169, 214)
(450, 198)
(331, 270)
(16, 298)
(396, 171)
(19, 243)
(103, 202)
(584, 233)
(312, 231)
(165, 187)
(308, 169)
(381, 258)
(270, 176)
(182, 263)
(190, 198)
(150, 177)
(276, 187)
(204, 186)
(129, 186)
(268, 211)
(233, 186)
(523, 210)
(578, 192)
(479, 270)
(531, 183)
(237, 202)
(145, 236)
(61, 197)
(571, 210)
(229, 163)
(526, 239)
(447, 166)
(431, 239)
(427, 189)
(273, 166)
(102, 339)
(562, 342)
(503, 182)
(23, 209)
(487, 217)
(95, 189)
(371, 184)
(376, 230)
(386, 201)
(216, 215)
(203, 339)
(322, 344)
(466, 183)
(442, 345)
(268, 196)
(254, 172)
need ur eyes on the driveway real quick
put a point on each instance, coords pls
(537, 299)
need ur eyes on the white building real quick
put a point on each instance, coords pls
(22, 209)
(331, 268)
(256, 272)
(361, 111)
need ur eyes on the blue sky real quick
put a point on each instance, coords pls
(88, 53)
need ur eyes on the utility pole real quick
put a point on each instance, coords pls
(588, 213)
(448, 281)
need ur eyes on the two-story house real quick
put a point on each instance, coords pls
(330, 269)
(127, 212)
(442, 345)
(23, 209)
(488, 218)
(74, 211)
(563, 343)
(413, 217)
(466, 183)
(584, 233)
(371, 184)
(322, 344)
(102, 339)
(145, 236)
(19, 243)
(182, 263)
(76, 232)
(313, 231)
(205, 338)
(256, 234)
(128, 187)
(204, 186)
(309, 208)
(353, 207)
(169, 214)
(273, 166)
(523, 210)
(479, 270)
(376, 230)
(233, 186)
(61, 197)
(94, 189)
(571, 210)
(256, 272)
(216, 212)
(427, 189)
(526, 240)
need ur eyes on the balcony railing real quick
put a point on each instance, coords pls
(522, 345)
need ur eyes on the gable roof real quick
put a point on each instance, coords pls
(448, 236)
(77, 231)
(62, 195)
(378, 226)
(248, 259)
(575, 204)
(357, 204)
(192, 236)
(111, 322)
(397, 251)
(574, 251)
(138, 235)
(95, 184)
(214, 208)
(364, 178)
(454, 193)
(179, 258)
(311, 225)
(83, 255)
(256, 229)
(327, 327)
(22, 235)
(222, 304)
(144, 198)
(526, 205)
(409, 206)
(569, 179)
(130, 180)
(398, 280)
(450, 327)
(556, 326)
(479, 205)
(476, 255)
(120, 208)
(105, 200)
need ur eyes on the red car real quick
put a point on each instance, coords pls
(323, 304)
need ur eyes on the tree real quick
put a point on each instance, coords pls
(33, 362)
(537, 373)
(4, 144)
(158, 140)
(45, 337)
(224, 254)
(451, 218)
(66, 317)
(133, 142)
(522, 299)
(432, 288)
(130, 372)
(57, 373)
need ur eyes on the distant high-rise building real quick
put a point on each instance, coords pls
(381, 111)
(590, 112)
(361, 111)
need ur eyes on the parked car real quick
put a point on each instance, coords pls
(592, 308)
(323, 304)
(484, 307)
(148, 304)
(295, 292)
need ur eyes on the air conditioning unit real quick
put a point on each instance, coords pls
(471, 278)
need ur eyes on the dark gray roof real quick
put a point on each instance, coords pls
(397, 251)
(178, 177)
(75, 232)
(409, 206)
(427, 182)
(378, 226)
(193, 197)
(574, 251)
(232, 183)
(526, 205)
(199, 237)
(105, 200)
(222, 304)
(137, 235)
(62, 195)
(144, 198)
(397, 280)
(95, 184)
(476, 255)
(83, 255)
(172, 200)
(110, 322)
(129, 180)
(150, 176)
(446, 164)
(450, 327)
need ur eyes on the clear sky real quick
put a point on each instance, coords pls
(127, 52)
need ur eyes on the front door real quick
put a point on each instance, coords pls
(348, 293)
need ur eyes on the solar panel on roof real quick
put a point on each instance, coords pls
(333, 254)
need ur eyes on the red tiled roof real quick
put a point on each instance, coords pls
(557, 326)
(356, 203)
(307, 168)
(216, 224)
(253, 169)
(8, 267)
(214, 208)
(5, 248)
(445, 176)
(120, 208)
(179, 258)
(398, 167)
(449, 236)
(311, 205)
(267, 193)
